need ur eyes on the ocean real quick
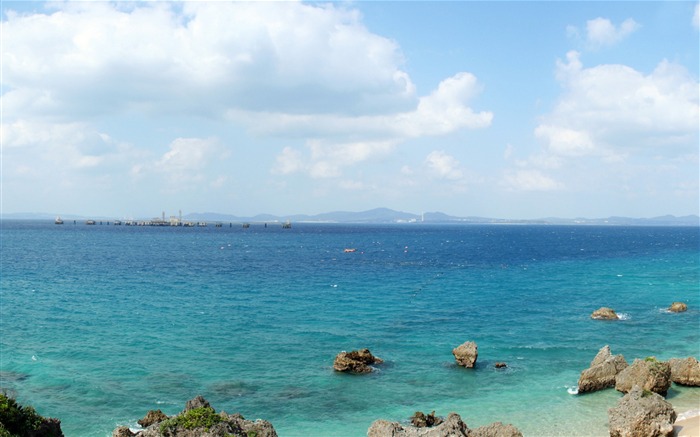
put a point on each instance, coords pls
(100, 324)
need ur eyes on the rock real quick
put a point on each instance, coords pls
(199, 419)
(153, 416)
(496, 429)
(500, 365)
(453, 426)
(641, 413)
(685, 371)
(604, 313)
(678, 307)
(466, 354)
(122, 431)
(420, 420)
(649, 374)
(602, 372)
(197, 402)
(355, 361)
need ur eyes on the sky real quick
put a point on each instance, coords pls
(494, 109)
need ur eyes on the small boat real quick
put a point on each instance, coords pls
(59, 220)
(90, 222)
(350, 250)
(287, 225)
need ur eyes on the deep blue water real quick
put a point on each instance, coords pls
(102, 323)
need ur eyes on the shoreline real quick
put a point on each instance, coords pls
(687, 424)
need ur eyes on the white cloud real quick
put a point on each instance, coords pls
(601, 32)
(607, 120)
(279, 69)
(613, 108)
(443, 166)
(186, 160)
(529, 180)
(288, 57)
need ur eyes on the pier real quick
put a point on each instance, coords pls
(172, 221)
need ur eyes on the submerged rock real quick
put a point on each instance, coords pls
(678, 307)
(685, 371)
(602, 372)
(641, 413)
(199, 419)
(466, 354)
(604, 313)
(500, 365)
(649, 374)
(355, 361)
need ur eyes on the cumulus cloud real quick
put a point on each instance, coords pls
(278, 69)
(287, 57)
(609, 115)
(443, 166)
(601, 32)
(615, 108)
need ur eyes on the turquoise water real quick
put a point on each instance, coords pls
(102, 323)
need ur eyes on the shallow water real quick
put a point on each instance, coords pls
(102, 323)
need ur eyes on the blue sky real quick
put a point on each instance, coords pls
(503, 109)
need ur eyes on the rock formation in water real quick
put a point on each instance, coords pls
(466, 354)
(452, 426)
(685, 371)
(198, 419)
(641, 413)
(649, 374)
(678, 307)
(604, 313)
(602, 372)
(358, 361)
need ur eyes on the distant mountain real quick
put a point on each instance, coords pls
(386, 215)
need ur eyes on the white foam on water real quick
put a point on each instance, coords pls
(624, 316)
(572, 390)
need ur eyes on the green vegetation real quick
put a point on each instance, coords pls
(646, 393)
(252, 433)
(19, 421)
(202, 417)
(651, 360)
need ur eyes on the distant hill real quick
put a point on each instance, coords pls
(386, 215)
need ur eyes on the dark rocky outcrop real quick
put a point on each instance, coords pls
(649, 374)
(678, 307)
(153, 416)
(500, 365)
(602, 372)
(466, 354)
(421, 420)
(355, 361)
(604, 313)
(23, 421)
(685, 371)
(641, 413)
(199, 419)
(452, 426)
